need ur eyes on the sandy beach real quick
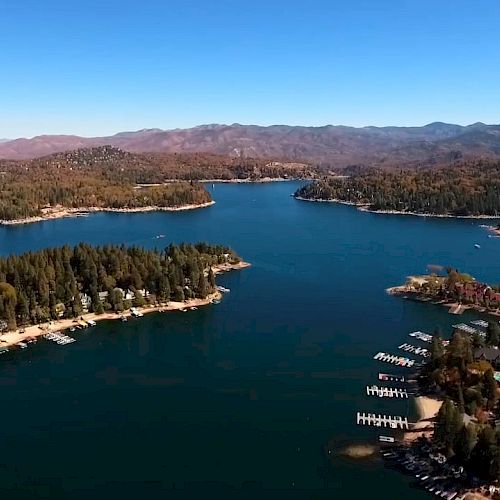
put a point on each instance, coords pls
(12, 338)
(62, 212)
(427, 409)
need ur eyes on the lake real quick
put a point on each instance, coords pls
(234, 400)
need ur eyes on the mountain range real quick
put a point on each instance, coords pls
(336, 146)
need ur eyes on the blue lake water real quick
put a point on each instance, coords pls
(235, 400)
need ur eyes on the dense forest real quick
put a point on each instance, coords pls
(107, 177)
(52, 283)
(467, 189)
(465, 428)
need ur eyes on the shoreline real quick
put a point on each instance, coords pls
(402, 290)
(427, 409)
(83, 211)
(11, 339)
(363, 207)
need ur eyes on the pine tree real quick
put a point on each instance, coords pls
(493, 334)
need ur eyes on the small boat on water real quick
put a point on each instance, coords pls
(22, 345)
(194, 308)
(215, 301)
(91, 322)
(477, 245)
(72, 329)
(124, 319)
(183, 310)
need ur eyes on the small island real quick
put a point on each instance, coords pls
(59, 288)
(469, 190)
(455, 290)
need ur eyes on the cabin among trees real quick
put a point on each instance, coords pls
(65, 282)
(455, 287)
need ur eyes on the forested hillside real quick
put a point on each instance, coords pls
(48, 284)
(106, 177)
(467, 189)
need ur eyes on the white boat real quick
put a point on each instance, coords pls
(22, 345)
(477, 245)
(91, 322)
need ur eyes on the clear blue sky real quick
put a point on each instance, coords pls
(94, 67)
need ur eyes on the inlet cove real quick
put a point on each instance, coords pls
(299, 373)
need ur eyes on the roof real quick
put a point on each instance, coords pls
(488, 353)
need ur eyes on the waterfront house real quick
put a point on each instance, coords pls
(489, 354)
(86, 302)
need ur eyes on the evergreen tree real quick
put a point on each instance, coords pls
(490, 388)
(493, 334)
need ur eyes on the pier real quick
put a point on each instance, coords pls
(386, 392)
(395, 360)
(382, 421)
(420, 351)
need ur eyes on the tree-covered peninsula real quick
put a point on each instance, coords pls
(470, 189)
(91, 180)
(64, 282)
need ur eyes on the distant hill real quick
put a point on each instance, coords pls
(336, 146)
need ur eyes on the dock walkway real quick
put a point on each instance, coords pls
(386, 392)
(382, 420)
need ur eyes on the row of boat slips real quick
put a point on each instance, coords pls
(395, 422)
(420, 351)
(395, 360)
(425, 337)
(480, 322)
(469, 330)
(386, 392)
(59, 338)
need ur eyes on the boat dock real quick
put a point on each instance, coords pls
(59, 338)
(382, 420)
(480, 322)
(387, 377)
(386, 392)
(424, 337)
(468, 330)
(395, 360)
(420, 351)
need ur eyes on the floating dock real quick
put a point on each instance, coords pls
(424, 337)
(382, 421)
(420, 351)
(59, 338)
(387, 377)
(386, 392)
(480, 322)
(395, 360)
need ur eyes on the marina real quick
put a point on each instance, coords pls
(395, 360)
(393, 422)
(386, 392)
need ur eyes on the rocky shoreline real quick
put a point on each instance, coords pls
(363, 207)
